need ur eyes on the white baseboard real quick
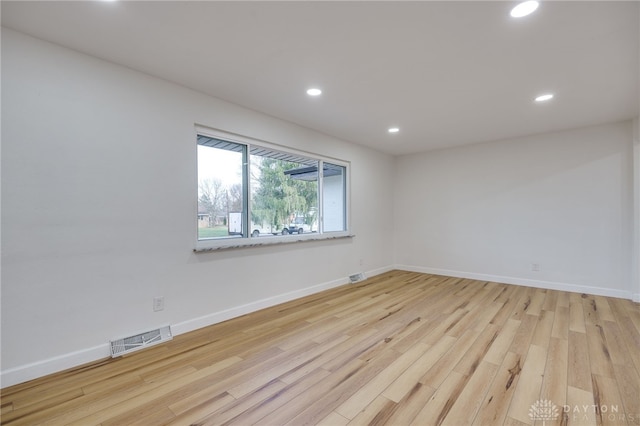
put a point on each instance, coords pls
(374, 272)
(216, 317)
(24, 373)
(42, 368)
(636, 297)
(550, 285)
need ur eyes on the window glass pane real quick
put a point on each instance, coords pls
(334, 198)
(284, 193)
(220, 193)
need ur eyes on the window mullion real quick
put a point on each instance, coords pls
(246, 183)
(320, 198)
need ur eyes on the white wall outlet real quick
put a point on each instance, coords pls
(158, 304)
(535, 267)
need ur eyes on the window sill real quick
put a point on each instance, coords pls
(208, 246)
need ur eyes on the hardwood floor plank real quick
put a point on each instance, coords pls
(300, 356)
(537, 301)
(530, 384)
(551, 301)
(233, 409)
(473, 357)
(632, 339)
(501, 344)
(407, 381)
(298, 402)
(193, 414)
(581, 405)
(131, 401)
(440, 403)
(443, 325)
(372, 412)
(616, 345)
(579, 371)
(469, 401)
(629, 385)
(563, 299)
(599, 357)
(561, 323)
(607, 401)
(318, 358)
(256, 413)
(510, 421)
(522, 339)
(205, 396)
(444, 366)
(28, 407)
(359, 400)
(604, 309)
(421, 327)
(524, 302)
(509, 300)
(339, 392)
(333, 419)
(161, 416)
(410, 405)
(495, 405)
(590, 310)
(554, 384)
(576, 313)
(375, 338)
(383, 415)
(542, 333)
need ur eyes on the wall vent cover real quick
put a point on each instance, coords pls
(357, 277)
(140, 341)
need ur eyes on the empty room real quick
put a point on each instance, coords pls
(320, 212)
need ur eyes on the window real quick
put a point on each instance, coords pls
(334, 196)
(257, 193)
(220, 188)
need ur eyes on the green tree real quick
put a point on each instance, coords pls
(278, 198)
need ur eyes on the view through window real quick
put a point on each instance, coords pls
(250, 191)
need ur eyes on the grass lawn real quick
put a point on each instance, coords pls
(216, 231)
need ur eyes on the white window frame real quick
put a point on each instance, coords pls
(248, 241)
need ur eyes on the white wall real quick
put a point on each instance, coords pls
(563, 201)
(98, 208)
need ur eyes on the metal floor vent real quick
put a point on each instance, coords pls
(140, 341)
(357, 277)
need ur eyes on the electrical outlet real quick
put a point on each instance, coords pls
(158, 304)
(535, 267)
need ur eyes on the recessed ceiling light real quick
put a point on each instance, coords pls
(314, 92)
(524, 8)
(393, 130)
(544, 97)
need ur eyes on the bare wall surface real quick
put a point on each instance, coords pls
(99, 203)
(554, 210)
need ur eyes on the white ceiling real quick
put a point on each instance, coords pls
(446, 73)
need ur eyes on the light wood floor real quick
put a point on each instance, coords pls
(400, 348)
